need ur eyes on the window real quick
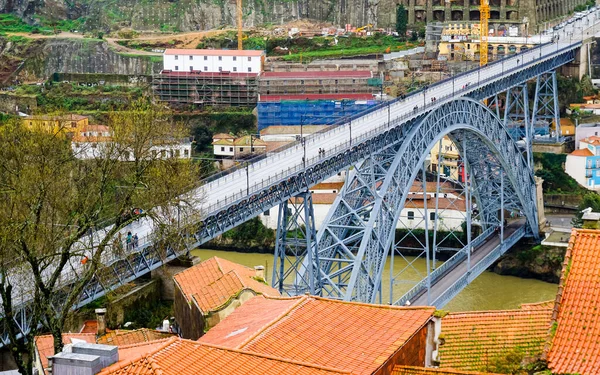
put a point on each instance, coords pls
(178, 153)
(411, 215)
(230, 149)
(191, 58)
(206, 68)
(597, 163)
(589, 163)
(222, 148)
(176, 57)
(252, 149)
(176, 67)
(235, 68)
(267, 213)
(241, 149)
(432, 216)
(597, 173)
(191, 68)
(220, 69)
(301, 81)
(249, 70)
(186, 153)
(205, 58)
(220, 58)
(249, 58)
(336, 81)
(234, 58)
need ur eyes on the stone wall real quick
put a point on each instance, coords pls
(144, 295)
(10, 103)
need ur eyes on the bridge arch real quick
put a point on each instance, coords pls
(358, 232)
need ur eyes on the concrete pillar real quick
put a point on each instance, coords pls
(502, 9)
(411, 12)
(466, 10)
(447, 11)
(429, 10)
(101, 319)
(540, 202)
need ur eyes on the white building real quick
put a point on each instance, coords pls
(584, 131)
(95, 141)
(451, 208)
(213, 60)
(227, 146)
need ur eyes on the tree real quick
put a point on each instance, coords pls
(53, 202)
(591, 200)
(401, 20)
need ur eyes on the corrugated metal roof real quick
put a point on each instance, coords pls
(320, 74)
(213, 52)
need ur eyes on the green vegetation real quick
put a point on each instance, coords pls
(10, 23)
(571, 90)
(556, 181)
(302, 48)
(149, 315)
(591, 200)
(582, 7)
(251, 234)
(401, 20)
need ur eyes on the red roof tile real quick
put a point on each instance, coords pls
(131, 352)
(129, 337)
(338, 96)
(320, 74)
(312, 331)
(538, 305)
(593, 140)
(582, 152)
(89, 326)
(575, 346)
(203, 282)
(244, 323)
(184, 357)
(45, 344)
(474, 340)
(410, 370)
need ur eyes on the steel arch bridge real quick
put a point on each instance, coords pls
(352, 246)
(369, 146)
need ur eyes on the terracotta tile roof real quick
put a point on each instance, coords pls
(473, 340)
(582, 152)
(274, 145)
(129, 337)
(244, 323)
(69, 117)
(222, 136)
(223, 142)
(443, 203)
(565, 121)
(320, 74)
(311, 331)
(575, 346)
(202, 282)
(411, 370)
(333, 96)
(184, 357)
(45, 344)
(538, 305)
(247, 140)
(291, 129)
(593, 140)
(213, 52)
(89, 326)
(328, 186)
(131, 352)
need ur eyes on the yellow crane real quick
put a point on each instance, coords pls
(484, 16)
(239, 24)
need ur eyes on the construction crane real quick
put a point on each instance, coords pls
(239, 24)
(484, 16)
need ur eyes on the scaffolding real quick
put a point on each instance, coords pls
(207, 89)
(298, 83)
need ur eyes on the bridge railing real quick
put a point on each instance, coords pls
(478, 268)
(347, 145)
(439, 272)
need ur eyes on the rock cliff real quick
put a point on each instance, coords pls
(189, 15)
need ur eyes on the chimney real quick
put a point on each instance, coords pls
(75, 364)
(101, 319)
(108, 354)
(260, 272)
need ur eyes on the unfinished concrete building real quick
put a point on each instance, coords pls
(502, 12)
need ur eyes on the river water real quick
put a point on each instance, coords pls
(489, 291)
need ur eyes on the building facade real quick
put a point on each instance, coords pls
(213, 60)
(278, 84)
(524, 12)
(583, 164)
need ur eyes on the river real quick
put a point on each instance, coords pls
(489, 291)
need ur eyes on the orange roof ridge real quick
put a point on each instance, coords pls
(122, 364)
(268, 356)
(145, 343)
(491, 312)
(384, 307)
(272, 323)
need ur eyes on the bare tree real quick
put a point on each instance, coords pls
(63, 207)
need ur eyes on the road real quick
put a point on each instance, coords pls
(446, 281)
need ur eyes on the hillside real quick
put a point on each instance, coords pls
(192, 15)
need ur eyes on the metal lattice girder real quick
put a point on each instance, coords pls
(359, 257)
(295, 242)
(516, 113)
(545, 102)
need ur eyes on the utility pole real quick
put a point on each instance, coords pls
(239, 24)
